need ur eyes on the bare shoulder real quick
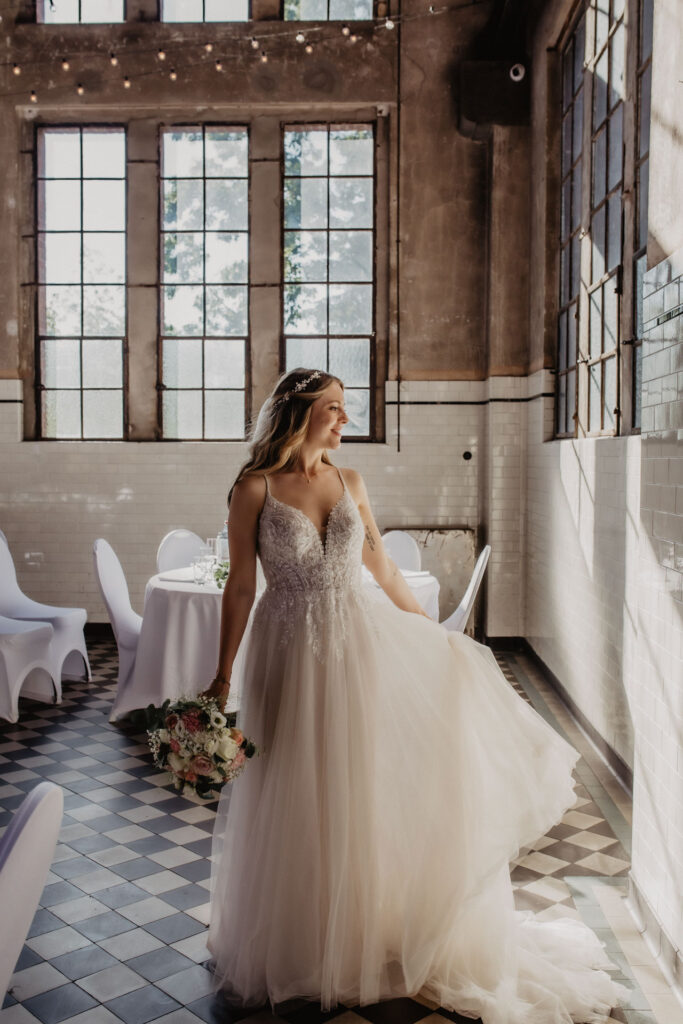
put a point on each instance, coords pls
(355, 483)
(250, 492)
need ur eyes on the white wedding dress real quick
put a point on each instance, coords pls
(364, 853)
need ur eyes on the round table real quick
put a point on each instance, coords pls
(178, 645)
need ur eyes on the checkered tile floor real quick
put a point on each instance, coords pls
(120, 934)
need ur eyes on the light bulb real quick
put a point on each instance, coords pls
(389, 23)
(113, 60)
(346, 31)
(79, 89)
(173, 74)
(126, 83)
(353, 38)
(34, 98)
(309, 48)
(208, 47)
(254, 44)
(161, 54)
(264, 57)
(16, 69)
(65, 65)
(300, 37)
(219, 65)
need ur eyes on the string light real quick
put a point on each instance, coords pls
(79, 89)
(126, 83)
(173, 74)
(65, 65)
(300, 37)
(113, 59)
(208, 47)
(264, 57)
(16, 69)
(254, 43)
(34, 98)
(309, 48)
(346, 31)
(353, 38)
(219, 65)
(161, 54)
(389, 23)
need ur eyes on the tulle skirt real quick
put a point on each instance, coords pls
(364, 853)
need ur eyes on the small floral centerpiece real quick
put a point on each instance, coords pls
(221, 572)
(191, 739)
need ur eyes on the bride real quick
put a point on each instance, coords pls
(364, 854)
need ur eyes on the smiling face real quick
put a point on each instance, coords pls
(328, 418)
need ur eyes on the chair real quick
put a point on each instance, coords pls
(69, 656)
(3, 538)
(25, 662)
(177, 550)
(458, 620)
(26, 851)
(403, 549)
(125, 622)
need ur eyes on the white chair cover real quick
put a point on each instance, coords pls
(458, 620)
(26, 852)
(3, 538)
(403, 549)
(25, 664)
(69, 656)
(125, 622)
(177, 550)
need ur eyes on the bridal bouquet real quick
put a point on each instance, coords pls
(191, 739)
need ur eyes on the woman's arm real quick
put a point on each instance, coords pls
(240, 588)
(385, 571)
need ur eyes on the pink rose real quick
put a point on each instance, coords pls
(192, 721)
(201, 764)
(175, 746)
(171, 721)
(237, 736)
(239, 758)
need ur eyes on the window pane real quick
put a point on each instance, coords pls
(610, 395)
(595, 323)
(183, 204)
(565, 214)
(567, 142)
(59, 205)
(643, 188)
(562, 405)
(60, 310)
(601, 24)
(306, 352)
(572, 335)
(351, 204)
(104, 205)
(617, 71)
(226, 257)
(182, 154)
(564, 275)
(104, 309)
(59, 258)
(641, 266)
(579, 52)
(183, 309)
(102, 363)
(594, 397)
(101, 10)
(599, 166)
(102, 414)
(226, 10)
(358, 10)
(227, 204)
(60, 363)
(61, 414)
(646, 30)
(576, 265)
(227, 153)
(182, 414)
(616, 139)
(226, 310)
(182, 362)
(571, 402)
(350, 308)
(224, 363)
(183, 257)
(351, 151)
(562, 342)
(350, 256)
(305, 10)
(306, 153)
(182, 10)
(350, 360)
(600, 92)
(576, 195)
(644, 112)
(60, 11)
(637, 384)
(224, 414)
(598, 244)
(305, 202)
(614, 231)
(611, 314)
(567, 76)
(59, 153)
(305, 309)
(357, 404)
(104, 258)
(305, 255)
(104, 154)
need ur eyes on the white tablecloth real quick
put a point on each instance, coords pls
(178, 646)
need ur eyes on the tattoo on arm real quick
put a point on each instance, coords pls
(369, 538)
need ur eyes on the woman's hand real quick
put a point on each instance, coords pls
(218, 690)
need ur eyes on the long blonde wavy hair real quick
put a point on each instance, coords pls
(281, 426)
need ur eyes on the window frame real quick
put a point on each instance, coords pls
(40, 15)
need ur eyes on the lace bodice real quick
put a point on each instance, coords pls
(310, 579)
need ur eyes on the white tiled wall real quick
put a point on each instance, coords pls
(582, 511)
(658, 705)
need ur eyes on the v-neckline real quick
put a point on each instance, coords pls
(294, 508)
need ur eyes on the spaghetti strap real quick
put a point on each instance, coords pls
(265, 477)
(341, 477)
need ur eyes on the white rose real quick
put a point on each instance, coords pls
(210, 745)
(164, 736)
(177, 763)
(226, 748)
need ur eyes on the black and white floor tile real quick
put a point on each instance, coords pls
(120, 932)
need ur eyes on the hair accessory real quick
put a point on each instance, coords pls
(281, 399)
